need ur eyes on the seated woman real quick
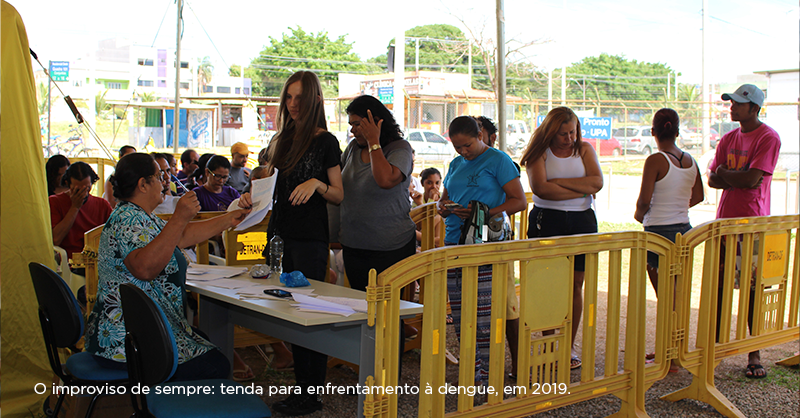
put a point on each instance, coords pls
(140, 248)
(55, 168)
(214, 194)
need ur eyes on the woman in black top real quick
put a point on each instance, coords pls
(307, 158)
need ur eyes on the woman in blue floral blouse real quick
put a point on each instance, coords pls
(138, 247)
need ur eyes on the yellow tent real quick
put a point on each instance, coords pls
(25, 235)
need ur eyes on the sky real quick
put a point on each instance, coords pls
(743, 36)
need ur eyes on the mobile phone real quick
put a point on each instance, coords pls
(278, 293)
(451, 205)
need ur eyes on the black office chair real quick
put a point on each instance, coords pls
(152, 357)
(62, 326)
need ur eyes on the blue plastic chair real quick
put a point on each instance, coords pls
(62, 326)
(152, 357)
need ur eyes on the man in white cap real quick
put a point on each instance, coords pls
(240, 174)
(743, 165)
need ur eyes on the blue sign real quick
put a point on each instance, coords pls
(386, 94)
(597, 128)
(59, 70)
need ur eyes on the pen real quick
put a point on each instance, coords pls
(177, 180)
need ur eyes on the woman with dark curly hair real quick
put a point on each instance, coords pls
(138, 247)
(55, 168)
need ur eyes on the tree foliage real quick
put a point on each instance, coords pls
(303, 50)
(613, 77)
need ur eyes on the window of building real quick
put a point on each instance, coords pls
(231, 116)
(185, 86)
(247, 91)
(184, 64)
(162, 83)
(145, 83)
(145, 62)
(222, 89)
(238, 90)
(114, 86)
(208, 89)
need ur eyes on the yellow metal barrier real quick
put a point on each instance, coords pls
(546, 304)
(770, 237)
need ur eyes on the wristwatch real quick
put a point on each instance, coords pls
(374, 147)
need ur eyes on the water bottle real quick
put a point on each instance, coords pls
(276, 257)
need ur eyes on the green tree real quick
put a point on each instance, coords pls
(41, 96)
(688, 105)
(614, 77)
(204, 71)
(235, 70)
(303, 50)
(441, 48)
(100, 104)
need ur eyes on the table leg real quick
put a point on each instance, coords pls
(366, 364)
(215, 323)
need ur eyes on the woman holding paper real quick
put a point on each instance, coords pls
(138, 247)
(307, 157)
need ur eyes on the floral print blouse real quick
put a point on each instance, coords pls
(129, 228)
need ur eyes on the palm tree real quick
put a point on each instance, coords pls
(204, 70)
(41, 93)
(691, 112)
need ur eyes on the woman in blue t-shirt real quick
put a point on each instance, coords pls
(489, 176)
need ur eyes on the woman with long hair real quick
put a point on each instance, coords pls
(564, 175)
(307, 158)
(487, 175)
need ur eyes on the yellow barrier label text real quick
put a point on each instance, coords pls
(774, 255)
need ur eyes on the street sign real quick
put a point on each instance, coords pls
(59, 70)
(598, 128)
(386, 94)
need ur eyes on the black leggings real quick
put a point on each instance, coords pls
(358, 262)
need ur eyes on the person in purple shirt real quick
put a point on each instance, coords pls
(214, 195)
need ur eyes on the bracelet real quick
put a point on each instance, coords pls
(327, 186)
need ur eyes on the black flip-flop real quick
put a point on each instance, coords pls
(575, 362)
(751, 369)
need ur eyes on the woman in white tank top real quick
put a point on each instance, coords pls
(564, 175)
(671, 184)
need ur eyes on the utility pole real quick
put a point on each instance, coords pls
(416, 60)
(398, 102)
(49, 86)
(176, 125)
(705, 90)
(501, 75)
(549, 89)
(564, 85)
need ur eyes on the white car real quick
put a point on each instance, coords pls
(429, 145)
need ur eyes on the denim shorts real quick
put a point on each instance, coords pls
(552, 222)
(667, 231)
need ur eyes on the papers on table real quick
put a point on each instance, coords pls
(206, 273)
(358, 305)
(309, 304)
(257, 292)
(261, 193)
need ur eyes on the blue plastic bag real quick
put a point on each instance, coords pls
(294, 279)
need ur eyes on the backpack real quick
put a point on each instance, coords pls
(479, 227)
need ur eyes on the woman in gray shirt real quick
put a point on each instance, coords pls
(376, 230)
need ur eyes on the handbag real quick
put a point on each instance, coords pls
(479, 227)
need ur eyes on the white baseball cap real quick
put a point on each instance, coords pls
(746, 93)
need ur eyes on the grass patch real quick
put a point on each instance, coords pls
(776, 375)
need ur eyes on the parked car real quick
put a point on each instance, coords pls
(518, 134)
(429, 145)
(636, 139)
(713, 135)
(605, 147)
(690, 137)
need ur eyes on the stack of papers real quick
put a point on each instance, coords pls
(310, 304)
(205, 273)
(261, 192)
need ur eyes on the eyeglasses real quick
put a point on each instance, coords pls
(219, 176)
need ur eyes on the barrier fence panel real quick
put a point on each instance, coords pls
(546, 277)
(762, 247)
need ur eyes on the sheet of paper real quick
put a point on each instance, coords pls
(307, 303)
(228, 283)
(358, 305)
(261, 193)
(213, 271)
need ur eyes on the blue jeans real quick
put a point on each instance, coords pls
(667, 231)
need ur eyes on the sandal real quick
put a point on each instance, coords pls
(243, 375)
(755, 371)
(575, 362)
